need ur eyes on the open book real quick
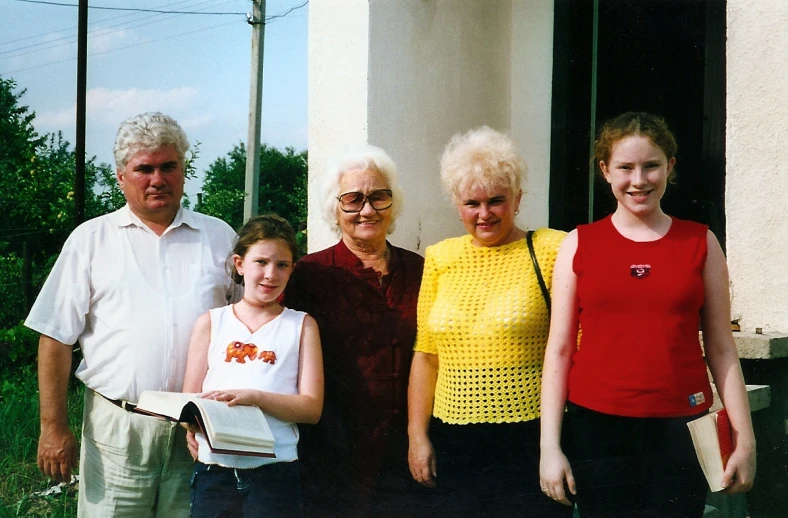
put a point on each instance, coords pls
(712, 437)
(237, 430)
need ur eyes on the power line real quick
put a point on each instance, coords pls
(266, 21)
(282, 15)
(99, 31)
(9, 72)
(134, 9)
(72, 28)
(69, 28)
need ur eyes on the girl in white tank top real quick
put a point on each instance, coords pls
(256, 352)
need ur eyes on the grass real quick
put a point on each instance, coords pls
(19, 429)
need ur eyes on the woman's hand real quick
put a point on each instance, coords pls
(553, 470)
(422, 461)
(191, 443)
(739, 471)
(234, 396)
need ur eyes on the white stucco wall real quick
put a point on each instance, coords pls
(338, 69)
(531, 100)
(431, 68)
(756, 176)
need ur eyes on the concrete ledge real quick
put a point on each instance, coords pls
(759, 395)
(765, 346)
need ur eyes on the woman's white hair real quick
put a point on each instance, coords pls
(484, 158)
(358, 156)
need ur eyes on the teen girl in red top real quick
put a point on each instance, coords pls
(639, 284)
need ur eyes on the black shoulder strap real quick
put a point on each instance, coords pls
(530, 240)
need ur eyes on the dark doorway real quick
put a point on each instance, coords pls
(661, 56)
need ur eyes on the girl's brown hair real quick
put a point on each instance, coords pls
(259, 228)
(634, 123)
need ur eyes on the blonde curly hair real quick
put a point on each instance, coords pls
(484, 158)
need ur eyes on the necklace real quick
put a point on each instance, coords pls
(255, 304)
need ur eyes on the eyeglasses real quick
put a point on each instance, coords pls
(355, 201)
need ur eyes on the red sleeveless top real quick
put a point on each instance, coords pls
(639, 311)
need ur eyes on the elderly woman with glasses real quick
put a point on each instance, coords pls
(363, 293)
(483, 317)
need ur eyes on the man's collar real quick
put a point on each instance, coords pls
(125, 217)
(187, 217)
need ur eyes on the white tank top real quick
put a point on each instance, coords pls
(274, 369)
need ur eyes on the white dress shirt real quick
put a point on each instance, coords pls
(131, 298)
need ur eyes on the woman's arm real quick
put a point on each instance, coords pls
(423, 377)
(723, 361)
(304, 407)
(553, 465)
(421, 396)
(197, 359)
(196, 369)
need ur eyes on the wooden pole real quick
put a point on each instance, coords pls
(82, 80)
(252, 189)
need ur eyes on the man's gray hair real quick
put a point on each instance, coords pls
(148, 132)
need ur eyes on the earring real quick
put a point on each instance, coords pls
(517, 212)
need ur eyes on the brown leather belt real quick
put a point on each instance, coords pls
(125, 405)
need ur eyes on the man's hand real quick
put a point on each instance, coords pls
(57, 453)
(57, 447)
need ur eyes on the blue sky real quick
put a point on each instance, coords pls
(193, 67)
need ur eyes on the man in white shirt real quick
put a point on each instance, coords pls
(129, 286)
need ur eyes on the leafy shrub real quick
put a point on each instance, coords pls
(12, 309)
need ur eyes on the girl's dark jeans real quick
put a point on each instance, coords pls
(270, 490)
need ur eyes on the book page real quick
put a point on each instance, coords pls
(233, 448)
(238, 424)
(167, 404)
(707, 447)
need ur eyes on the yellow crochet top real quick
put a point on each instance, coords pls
(482, 312)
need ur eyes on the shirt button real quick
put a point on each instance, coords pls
(395, 374)
(394, 342)
(395, 411)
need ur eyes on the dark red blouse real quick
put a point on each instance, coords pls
(367, 330)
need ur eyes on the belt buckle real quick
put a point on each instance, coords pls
(128, 407)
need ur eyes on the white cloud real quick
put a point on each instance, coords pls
(196, 120)
(105, 106)
(104, 40)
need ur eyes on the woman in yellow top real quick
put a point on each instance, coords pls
(473, 398)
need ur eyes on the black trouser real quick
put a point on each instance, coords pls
(490, 470)
(633, 466)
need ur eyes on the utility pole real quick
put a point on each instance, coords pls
(82, 81)
(257, 21)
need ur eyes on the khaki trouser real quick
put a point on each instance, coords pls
(131, 464)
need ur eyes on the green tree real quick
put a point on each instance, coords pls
(20, 143)
(37, 181)
(283, 185)
(17, 134)
(36, 199)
